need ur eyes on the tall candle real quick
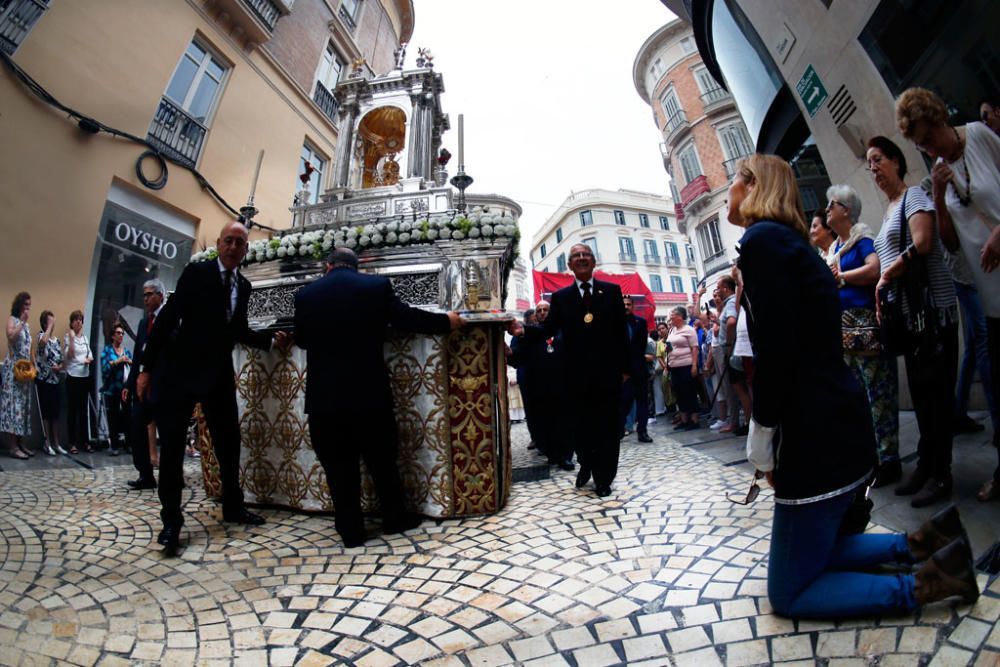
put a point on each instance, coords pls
(256, 174)
(461, 141)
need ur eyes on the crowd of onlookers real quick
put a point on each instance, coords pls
(55, 373)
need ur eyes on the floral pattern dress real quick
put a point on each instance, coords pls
(15, 400)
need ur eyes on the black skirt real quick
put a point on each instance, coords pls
(48, 400)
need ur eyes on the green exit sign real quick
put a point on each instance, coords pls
(811, 90)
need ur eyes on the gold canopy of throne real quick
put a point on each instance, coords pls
(383, 135)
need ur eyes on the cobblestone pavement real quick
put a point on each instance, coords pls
(665, 571)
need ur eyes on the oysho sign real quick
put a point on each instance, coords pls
(126, 233)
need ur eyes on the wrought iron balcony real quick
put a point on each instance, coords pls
(673, 261)
(652, 259)
(265, 10)
(693, 190)
(715, 98)
(627, 257)
(176, 134)
(346, 17)
(676, 121)
(326, 101)
(730, 165)
(717, 262)
(16, 19)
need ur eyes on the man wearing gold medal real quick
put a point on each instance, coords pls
(590, 317)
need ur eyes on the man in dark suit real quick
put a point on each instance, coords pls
(590, 317)
(636, 390)
(341, 321)
(203, 320)
(140, 412)
(544, 371)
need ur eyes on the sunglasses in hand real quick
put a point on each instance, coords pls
(752, 493)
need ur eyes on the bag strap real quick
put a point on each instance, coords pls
(904, 226)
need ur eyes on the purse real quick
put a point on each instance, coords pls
(914, 332)
(24, 370)
(860, 331)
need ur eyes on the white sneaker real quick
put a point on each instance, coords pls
(48, 449)
(60, 450)
(717, 424)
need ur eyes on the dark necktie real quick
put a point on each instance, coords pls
(149, 324)
(586, 295)
(228, 281)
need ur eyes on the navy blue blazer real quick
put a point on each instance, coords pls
(801, 384)
(191, 342)
(638, 338)
(341, 321)
(595, 354)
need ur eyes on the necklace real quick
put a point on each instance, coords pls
(967, 199)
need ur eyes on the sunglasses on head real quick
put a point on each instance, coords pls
(752, 493)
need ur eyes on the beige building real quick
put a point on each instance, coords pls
(629, 232)
(211, 83)
(703, 138)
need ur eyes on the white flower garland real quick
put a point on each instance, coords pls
(317, 244)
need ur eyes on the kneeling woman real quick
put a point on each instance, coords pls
(815, 443)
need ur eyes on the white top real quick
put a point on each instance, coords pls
(742, 347)
(76, 363)
(973, 223)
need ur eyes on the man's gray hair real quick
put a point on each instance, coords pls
(157, 286)
(846, 195)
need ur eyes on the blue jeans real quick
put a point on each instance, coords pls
(977, 352)
(811, 572)
(630, 418)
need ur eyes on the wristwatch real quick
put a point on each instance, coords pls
(841, 283)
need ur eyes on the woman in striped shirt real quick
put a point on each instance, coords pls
(931, 374)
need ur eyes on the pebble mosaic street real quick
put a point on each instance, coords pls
(665, 571)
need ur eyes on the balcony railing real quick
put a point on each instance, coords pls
(730, 165)
(717, 262)
(673, 261)
(627, 257)
(326, 101)
(16, 19)
(265, 10)
(346, 17)
(652, 259)
(712, 97)
(698, 186)
(676, 120)
(176, 134)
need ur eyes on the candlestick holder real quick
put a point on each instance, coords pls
(247, 212)
(461, 180)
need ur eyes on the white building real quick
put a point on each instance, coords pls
(629, 232)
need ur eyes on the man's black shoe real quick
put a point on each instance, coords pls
(566, 465)
(966, 424)
(582, 477)
(644, 437)
(352, 541)
(140, 484)
(603, 491)
(242, 515)
(404, 523)
(915, 483)
(170, 538)
(934, 491)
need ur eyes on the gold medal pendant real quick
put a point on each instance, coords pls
(588, 318)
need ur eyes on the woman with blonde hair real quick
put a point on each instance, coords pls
(827, 446)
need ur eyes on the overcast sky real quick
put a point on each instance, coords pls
(546, 89)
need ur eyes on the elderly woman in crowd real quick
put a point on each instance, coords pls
(856, 270)
(115, 359)
(682, 360)
(15, 399)
(827, 448)
(78, 360)
(966, 190)
(49, 361)
(820, 234)
(931, 366)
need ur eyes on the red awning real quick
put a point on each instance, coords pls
(630, 283)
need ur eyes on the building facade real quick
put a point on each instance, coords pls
(224, 88)
(815, 80)
(703, 138)
(629, 232)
